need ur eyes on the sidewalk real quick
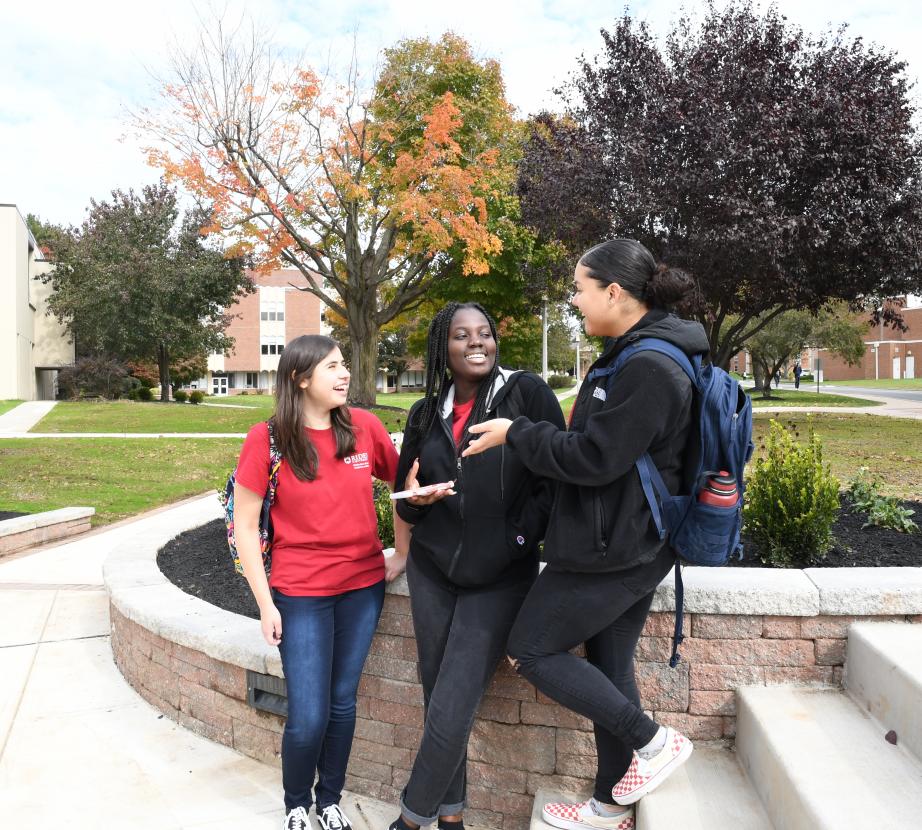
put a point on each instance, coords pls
(892, 407)
(78, 747)
(22, 418)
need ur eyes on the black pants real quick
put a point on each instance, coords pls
(607, 612)
(461, 635)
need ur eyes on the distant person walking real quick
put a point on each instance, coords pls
(798, 371)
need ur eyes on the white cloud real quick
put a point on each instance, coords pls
(70, 71)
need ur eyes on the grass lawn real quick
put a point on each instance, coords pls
(131, 416)
(118, 477)
(402, 399)
(258, 401)
(883, 383)
(795, 397)
(6, 406)
(889, 447)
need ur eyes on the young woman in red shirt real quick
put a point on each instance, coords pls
(322, 601)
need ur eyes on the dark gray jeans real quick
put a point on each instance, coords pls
(461, 635)
(607, 612)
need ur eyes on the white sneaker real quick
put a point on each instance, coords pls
(296, 819)
(583, 815)
(333, 818)
(645, 774)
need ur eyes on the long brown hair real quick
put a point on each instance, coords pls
(298, 361)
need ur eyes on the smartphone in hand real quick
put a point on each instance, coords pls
(423, 491)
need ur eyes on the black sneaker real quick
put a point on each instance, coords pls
(296, 819)
(333, 818)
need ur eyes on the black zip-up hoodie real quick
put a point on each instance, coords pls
(600, 520)
(489, 531)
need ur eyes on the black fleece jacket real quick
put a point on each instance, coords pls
(490, 530)
(600, 520)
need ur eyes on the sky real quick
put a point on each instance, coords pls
(71, 73)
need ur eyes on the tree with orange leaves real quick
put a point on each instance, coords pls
(367, 197)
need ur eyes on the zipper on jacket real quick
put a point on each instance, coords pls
(600, 524)
(460, 490)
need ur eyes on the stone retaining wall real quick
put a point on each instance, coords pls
(521, 739)
(744, 626)
(34, 529)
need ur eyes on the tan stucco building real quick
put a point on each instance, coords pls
(33, 345)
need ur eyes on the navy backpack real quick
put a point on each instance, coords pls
(701, 534)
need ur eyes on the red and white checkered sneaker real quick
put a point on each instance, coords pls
(645, 774)
(581, 816)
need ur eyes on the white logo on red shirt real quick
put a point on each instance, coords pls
(359, 461)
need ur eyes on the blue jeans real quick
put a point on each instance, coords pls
(325, 641)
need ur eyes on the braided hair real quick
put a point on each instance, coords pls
(437, 376)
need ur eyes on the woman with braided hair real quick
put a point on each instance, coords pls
(473, 549)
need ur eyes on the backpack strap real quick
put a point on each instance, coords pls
(677, 636)
(275, 460)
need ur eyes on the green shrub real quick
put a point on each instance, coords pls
(196, 396)
(883, 511)
(144, 393)
(792, 499)
(385, 513)
(864, 490)
(180, 396)
(560, 381)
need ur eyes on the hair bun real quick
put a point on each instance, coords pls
(668, 286)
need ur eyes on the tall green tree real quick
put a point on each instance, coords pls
(785, 336)
(781, 169)
(139, 282)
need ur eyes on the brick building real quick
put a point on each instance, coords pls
(889, 353)
(262, 323)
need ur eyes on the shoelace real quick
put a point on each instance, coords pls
(297, 820)
(333, 818)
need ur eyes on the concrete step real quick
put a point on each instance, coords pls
(367, 813)
(709, 792)
(883, 675)
(818, 762)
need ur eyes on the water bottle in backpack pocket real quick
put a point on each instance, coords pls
(710, 533)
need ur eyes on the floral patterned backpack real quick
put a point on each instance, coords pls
(226, 497)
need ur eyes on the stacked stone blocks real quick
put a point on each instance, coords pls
(522, 740)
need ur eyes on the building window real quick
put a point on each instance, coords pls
(272, 345)
(251, 380)
(271, 311)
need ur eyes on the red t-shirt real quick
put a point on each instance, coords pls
(460, 412)
(326, 530)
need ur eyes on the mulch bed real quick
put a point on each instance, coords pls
(199, 562)
(9, 514)
(857, 547)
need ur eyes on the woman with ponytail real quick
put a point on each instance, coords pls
(604, 555)
(322, 601)
(473, 550)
